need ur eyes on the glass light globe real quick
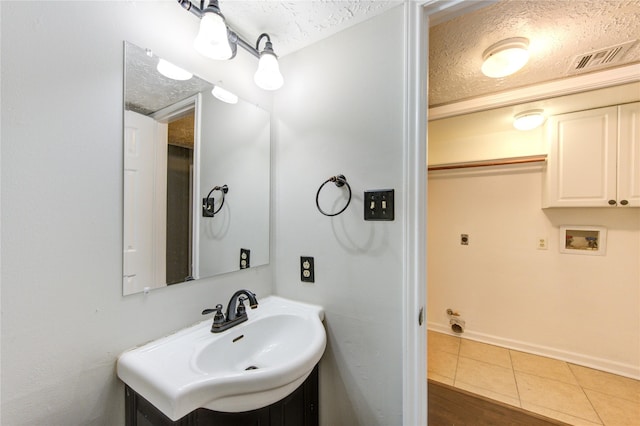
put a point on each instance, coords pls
(268, 75)
(529, 120)
(224, 95)
(171, 71)
(505, 57)
(212, 40)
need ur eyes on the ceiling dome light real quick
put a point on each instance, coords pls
(212, 40)
(529, 120)
(224, 95)
(268, 76)
(171, 71)
(505, 57)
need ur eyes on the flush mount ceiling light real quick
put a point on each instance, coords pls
(224, 95)
(171, 71)
(505, 57)
(216, 40)
(529, 120)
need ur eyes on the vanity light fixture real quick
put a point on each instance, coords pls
(505, 57)
(529, 120)
(224, 95)
(172, 71)
(216, 40)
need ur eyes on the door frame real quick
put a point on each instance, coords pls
(170, 113)
(418, 15)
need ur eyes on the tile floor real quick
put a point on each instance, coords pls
(557, 389)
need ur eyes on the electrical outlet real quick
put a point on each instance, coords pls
(245, 258)
(542, 243)
(464, 239)
(307, 274)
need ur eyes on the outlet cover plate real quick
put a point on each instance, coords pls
(245, 258)
(307, 270)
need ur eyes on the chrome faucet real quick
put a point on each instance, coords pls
(236, 311)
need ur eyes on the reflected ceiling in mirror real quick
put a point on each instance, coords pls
(146, 90)
(179, 143)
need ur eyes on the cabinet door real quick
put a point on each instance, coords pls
(581, 165)
(629, 155)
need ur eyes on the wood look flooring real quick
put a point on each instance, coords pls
(450, 406)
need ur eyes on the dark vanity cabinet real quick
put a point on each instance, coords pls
(300, 408)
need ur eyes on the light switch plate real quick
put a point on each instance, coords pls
(207, 207)
(379, 204)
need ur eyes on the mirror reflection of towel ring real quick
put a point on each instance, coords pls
(340, 181)
(207, 204)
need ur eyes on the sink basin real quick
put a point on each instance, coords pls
(247, 367)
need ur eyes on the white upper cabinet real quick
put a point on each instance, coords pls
(594, 158)
(629, 154)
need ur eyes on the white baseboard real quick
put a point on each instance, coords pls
(626, 370)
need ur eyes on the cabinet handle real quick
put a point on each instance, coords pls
(612, 202)
(624, 202)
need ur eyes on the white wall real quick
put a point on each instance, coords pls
(341, 112)
(583, 309)
(452, 140)
(64, 319)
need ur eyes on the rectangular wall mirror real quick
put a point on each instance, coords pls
(196, 179)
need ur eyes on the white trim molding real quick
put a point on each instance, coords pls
(414, 388)
(614, 367)
(418, 14)
(552, 89)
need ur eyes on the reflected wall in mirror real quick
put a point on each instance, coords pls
(179, 143)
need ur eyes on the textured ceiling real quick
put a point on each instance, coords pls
(558, 31)
(293, 25)
(146, 90)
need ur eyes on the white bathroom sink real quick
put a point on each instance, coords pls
(249, 366)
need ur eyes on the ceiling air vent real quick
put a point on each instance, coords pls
(602, 58)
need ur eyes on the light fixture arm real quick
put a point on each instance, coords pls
(187, 5)
(246, 46)
(200, 11)
(267, 45)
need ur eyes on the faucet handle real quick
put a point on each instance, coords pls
(218, 318)
(241, 310)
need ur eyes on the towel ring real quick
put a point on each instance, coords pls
(207, 206)
(340, 181)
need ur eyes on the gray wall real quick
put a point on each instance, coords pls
(64, 320)
(341, 111)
